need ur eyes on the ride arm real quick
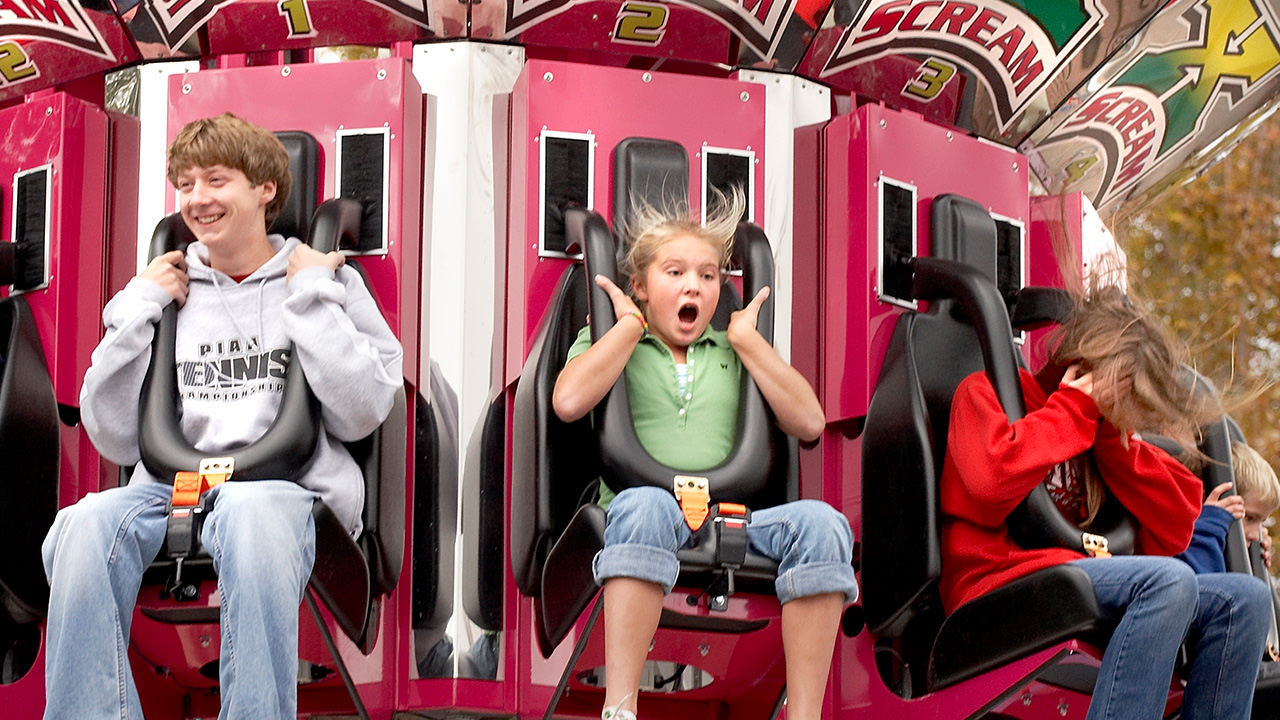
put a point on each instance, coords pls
(113, 382)
(1000, 462)
(352, 360)
(794, 404)
(1161, 493)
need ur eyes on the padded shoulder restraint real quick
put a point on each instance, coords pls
(744, 474)
(287, 448)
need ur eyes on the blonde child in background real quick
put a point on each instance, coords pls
(1257, 496)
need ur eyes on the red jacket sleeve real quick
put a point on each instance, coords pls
(998, 462)
(1161, 494)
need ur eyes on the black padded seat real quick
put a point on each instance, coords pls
(556, 464)
(350, 574)
(966, 329)
(30, 445)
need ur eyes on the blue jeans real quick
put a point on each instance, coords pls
(809, 539)
(1159, 601)
(262, 541)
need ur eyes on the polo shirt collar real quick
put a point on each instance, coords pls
(709, 335)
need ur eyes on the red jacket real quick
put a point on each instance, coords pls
(991, 465)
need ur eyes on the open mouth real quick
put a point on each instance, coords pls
(687, 314)
(208, 219)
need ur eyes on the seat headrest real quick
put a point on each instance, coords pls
(647, 171)
(304, 164)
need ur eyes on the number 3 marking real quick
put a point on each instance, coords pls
(932, 76)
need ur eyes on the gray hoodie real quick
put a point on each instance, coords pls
(232, 350)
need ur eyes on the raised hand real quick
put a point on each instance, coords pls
(623, 305)
(1082, 381)
(305, 256)
(1233, 504)
(746, 318)
(169, 271)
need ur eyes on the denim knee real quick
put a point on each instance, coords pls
(813, 546)
(1247, 599)
(96, 523)
(644, 530)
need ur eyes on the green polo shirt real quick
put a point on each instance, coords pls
(687, 432)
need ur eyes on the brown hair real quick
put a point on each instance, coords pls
(229, 141)
(651, 227)
(1140, 377)
(1131, 355)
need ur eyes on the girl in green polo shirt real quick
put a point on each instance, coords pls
(682, 377)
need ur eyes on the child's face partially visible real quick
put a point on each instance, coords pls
(1255, 513)
(680, 289)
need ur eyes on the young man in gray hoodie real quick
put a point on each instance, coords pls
(246, 297)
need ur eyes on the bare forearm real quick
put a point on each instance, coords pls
(789, 395)
(586, 379)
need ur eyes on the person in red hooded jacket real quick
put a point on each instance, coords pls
(1111, 371)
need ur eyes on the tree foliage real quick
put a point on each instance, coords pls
(1205, 256)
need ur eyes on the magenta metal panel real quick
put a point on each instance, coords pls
(751, 33)
(1054, 219)
(248, 26)
(609, 105)
(863, 149)
(374, 94)
(70, 137)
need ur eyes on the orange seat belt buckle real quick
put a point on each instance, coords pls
(694, 495)
(1095, 545)
(186, 489)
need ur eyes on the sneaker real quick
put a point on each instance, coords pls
(617, 713)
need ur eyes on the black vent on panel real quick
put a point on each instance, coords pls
(31, 229)
(897, 216)
(364, 177)
(1008, 258)
(566, 184)
(725, 171)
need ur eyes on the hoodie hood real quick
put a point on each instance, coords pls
(198, 269)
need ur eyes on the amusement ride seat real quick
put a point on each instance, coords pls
(29, 443)
(555, 465)
(966, 329)
(350, 575)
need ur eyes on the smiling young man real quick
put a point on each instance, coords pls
(251, 304)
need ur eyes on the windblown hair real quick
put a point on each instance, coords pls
(1129, 351)
(238, 144)
(1254, 476)
(1140, 377)
(649, 228)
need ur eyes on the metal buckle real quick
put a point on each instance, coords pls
(1095, 545)
(694, 495)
